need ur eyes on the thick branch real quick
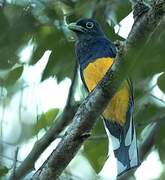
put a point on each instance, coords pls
(139, 7)
(146, 24)
(28, 164)
(94, 105)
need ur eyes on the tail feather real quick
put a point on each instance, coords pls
(123, 139)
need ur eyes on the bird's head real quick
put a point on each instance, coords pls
(86, 28)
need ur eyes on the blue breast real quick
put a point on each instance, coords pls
(89, 50)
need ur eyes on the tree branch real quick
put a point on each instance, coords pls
(95, 103)
(139, 8)
(15, 162)
(28, 164)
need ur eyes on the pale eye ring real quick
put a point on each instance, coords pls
(89, 25)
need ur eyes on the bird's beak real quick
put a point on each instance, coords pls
(75, 27)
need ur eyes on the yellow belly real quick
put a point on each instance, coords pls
(116, 109)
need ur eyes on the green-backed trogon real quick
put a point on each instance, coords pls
(96, 54)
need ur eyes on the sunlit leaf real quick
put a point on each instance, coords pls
(45, 120)
(3, 170)
(161, 82)
(13, 75)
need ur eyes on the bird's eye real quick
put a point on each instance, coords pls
(89, 25)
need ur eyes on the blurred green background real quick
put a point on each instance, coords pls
(37, 64)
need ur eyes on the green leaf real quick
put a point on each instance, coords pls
(151, 56)
(160, 143)
(146, 112)
(161, 82)
(17, 13)
(7, 54)
(3, 170)
(96, 150)
(14, 35)
(61, 61)
(45, 120)
(57, 10)
(14, 75)
(44, 40)
(85, 8)
(108, 30)
(122, 9)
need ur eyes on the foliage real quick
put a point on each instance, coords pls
(161, 81)
(3, 170)
(45, 120)
(43, 23)
(96, 150)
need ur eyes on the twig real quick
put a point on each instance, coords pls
(70, 99)
(15, 162)
(20, 106)
(3, 113)
(94, 105)
(9, 158)
(162, 101)
(2, 120)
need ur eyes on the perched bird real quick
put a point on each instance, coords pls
(95, 55)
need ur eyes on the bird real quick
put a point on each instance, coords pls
(95, 54)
